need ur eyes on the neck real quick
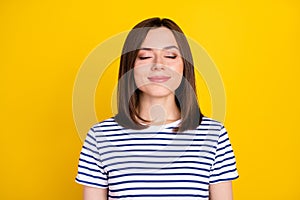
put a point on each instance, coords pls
(158, 110)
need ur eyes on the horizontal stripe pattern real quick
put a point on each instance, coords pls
(156, 163)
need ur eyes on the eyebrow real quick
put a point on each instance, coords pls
(168, 47)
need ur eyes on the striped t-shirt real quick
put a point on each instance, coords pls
(156, 163)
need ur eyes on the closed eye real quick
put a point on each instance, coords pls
(172, 57)
(144, 57)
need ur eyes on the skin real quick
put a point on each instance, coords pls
(158, 72)
(160, 58)
(91, 193)
(221, 191)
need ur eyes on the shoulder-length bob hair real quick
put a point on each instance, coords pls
(128, 93)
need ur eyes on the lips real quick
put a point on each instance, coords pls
(158, 79)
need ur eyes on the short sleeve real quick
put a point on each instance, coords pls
(224, 166)
(90, 168)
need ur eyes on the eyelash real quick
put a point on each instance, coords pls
(146, 57)
(172, 57)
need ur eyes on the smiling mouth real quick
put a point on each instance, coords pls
(158, 79)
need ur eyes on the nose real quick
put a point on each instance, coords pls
(158, 63)
(157, 67)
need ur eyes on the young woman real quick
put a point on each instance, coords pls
(159, 146)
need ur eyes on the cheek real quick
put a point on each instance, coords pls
(177, 69)
(180, 67)
(176, 65)
(174, 83)
(177, 72)
(139, 76)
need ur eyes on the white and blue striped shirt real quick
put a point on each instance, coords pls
(156, 163)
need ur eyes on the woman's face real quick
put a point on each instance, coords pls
(158, 67)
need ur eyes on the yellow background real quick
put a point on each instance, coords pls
(255, 45)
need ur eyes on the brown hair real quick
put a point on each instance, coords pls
(128, 93)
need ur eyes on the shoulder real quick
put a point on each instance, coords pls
(214, 127)
(210, 123)
(106, 124)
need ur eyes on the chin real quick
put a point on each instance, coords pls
(156, 91)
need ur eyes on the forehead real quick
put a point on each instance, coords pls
(158, 38)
